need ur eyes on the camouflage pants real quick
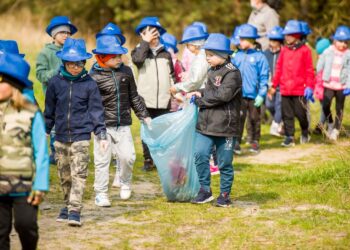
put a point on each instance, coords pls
(72, 163)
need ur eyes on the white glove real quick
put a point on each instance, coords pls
(148, 121)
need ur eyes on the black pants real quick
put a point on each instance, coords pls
(25, 216)
(294, 106)
(153, 113)
(252, 113)
(329, 94)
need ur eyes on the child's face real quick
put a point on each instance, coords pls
(114, 61)
(192, 48)
(5, 91)
(61, 37)
(153, 34)
(341, 45)
(290, 39)
(275, 44)
(154, 42)
(213, 59)
(245, 44)
(74, 68)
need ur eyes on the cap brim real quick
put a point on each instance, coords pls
(194, 39)
(73, 58)
(159, 28)
(228, 52)
(122, 51)
(73, 29)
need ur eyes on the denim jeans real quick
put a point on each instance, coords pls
(275, 106)
(224, 150)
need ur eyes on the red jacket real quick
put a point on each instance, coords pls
(294, 71)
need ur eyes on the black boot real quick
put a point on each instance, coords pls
(148, 165)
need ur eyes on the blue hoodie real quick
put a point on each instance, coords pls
(255, 70)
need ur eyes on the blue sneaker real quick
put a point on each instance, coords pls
(52, 159)
(74, 218)
(63, 215)
(223, 200)
(203, 197)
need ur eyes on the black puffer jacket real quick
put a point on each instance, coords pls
(219, 106)
(119, 94)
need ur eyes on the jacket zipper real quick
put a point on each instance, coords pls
(155, 59)
(69, 111)
(229, 116)
(118, 98)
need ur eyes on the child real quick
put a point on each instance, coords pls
(321, 45)
(335, 64)
(235, 41)
(295, 76)
(194, 37)
(187, 55)
(218, 119)
(254, 68)
(273, 103)
(155, 74)
(170, 43)
(73, 104)
(24, 161)
(119, 94)
(47, 63)
(9, 46)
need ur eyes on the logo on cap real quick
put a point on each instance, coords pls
(72, 51)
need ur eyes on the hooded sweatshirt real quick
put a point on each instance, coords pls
(47, 63)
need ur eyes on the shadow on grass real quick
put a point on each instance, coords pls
(241, 166)
(259, 197)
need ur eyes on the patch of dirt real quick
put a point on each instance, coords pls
(304, 207)
(295, 154)
(99, 224)
(283, 155)
(248, 208)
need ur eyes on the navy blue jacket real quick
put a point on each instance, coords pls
(255, 71)
(272, 60)
(74, 108)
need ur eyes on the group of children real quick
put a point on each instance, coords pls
(229, 80)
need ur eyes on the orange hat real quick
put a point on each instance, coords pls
(102, 59)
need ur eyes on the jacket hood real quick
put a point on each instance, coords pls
(53, 47)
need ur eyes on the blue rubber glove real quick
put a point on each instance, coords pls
(258, 101)
(346, 91)
(309, 94)
(193, 98)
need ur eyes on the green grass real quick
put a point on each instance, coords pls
(303, 205)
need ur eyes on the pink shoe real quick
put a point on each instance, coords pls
(214, 170)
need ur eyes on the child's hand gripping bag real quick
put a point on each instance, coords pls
(171, 143)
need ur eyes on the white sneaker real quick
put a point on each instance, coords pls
(274, 129)
(102, 200)
(125, 192)
(330, 128)
(334, 134)
(116, 181)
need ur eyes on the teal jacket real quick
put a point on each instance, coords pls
(47, 64)
(325, 64)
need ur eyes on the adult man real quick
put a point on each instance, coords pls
(264, 18)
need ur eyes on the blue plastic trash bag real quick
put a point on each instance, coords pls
(171, 143)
